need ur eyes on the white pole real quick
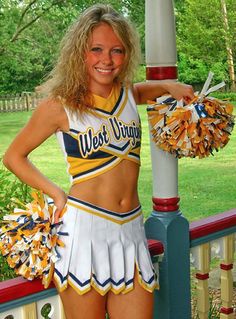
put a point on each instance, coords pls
(160, 36)
(161, 65)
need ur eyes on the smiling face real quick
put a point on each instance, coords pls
(104, 59)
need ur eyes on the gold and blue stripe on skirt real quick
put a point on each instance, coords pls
(119, 218)
(103, 250)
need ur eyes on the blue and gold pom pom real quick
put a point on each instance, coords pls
(194, 130)
(29, 239)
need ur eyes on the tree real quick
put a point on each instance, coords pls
(200, 40)
(228, 44)
(28, 30)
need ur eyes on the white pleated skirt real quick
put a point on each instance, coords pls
(102, 250)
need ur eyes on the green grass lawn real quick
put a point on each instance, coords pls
(206, 186)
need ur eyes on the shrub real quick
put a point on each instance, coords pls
(231, 96)
(10, 187)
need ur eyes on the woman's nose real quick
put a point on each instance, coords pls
(107, 58)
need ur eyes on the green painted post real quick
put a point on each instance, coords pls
(173, 300)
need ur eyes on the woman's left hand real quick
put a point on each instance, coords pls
(181, 91)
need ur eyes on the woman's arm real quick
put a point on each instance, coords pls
(145, 91)
(46, 120)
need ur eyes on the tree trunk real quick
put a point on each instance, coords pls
(228, 46)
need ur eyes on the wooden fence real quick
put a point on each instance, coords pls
(24, 101)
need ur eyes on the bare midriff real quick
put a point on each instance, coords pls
(115, 190)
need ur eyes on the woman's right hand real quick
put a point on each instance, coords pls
(59, 200)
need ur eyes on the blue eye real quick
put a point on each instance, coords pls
(118, 51)
(95, 49)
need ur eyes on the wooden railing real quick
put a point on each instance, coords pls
(213, 236)
(24, 101)
(23, 299)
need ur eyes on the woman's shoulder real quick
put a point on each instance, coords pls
(50, 105)
(52, 109)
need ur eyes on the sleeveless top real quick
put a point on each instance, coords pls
(101, 138)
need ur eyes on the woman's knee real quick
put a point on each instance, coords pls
(137, 304)
(91, 305)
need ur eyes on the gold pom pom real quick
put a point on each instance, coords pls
(29, 239)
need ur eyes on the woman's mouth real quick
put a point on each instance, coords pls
(104, 71)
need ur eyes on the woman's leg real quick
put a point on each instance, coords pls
(136, 304)
(91, 305)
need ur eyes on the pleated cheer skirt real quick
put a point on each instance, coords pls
(102, 250)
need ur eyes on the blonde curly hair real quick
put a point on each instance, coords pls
(69, 80)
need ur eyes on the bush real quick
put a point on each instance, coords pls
(10, 187)
(140, 75)
(231, 96)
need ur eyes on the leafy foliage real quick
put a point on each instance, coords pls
(9, 188)
(201, 40)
